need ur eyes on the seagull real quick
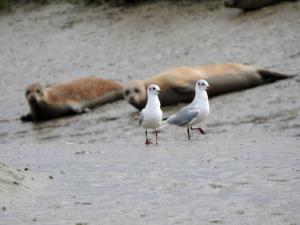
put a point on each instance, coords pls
(151, 115)
(193, 113)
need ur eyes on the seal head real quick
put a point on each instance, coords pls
(34, 93)
(135, 93)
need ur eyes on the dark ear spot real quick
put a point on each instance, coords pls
(27, 93)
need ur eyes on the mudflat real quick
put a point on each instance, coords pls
(95, 169)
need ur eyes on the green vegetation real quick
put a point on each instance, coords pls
(4, 4)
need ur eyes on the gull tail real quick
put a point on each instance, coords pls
(164, 119)
(164, 123)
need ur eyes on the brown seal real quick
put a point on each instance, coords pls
(177, 84)
(249, 4)
(69, 98)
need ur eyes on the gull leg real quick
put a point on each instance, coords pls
(147, 142)
(188, 132)
(200, 130)
(156, 137)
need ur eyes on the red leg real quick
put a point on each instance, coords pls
(200, 130)
(147, 142)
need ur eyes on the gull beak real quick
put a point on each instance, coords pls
(160, 92)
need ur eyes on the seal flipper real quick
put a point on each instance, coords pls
(86, 110)
(270, 76)
(76, 109)
(177, 94)
(106, 98)
(189, 89)
(26, 117)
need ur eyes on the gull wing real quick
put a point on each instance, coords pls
(183, 116)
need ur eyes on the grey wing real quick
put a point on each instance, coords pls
(183, 117)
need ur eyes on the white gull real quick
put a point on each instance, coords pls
(151, 115)
(193, 113)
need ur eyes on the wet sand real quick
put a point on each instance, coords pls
(244, 171)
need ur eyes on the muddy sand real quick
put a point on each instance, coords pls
(95, 169)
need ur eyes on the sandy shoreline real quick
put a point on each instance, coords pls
(244, 171)
(175, 182)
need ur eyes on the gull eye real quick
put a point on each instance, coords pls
(126, 93)
(136, 90)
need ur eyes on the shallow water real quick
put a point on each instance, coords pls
(244, 171)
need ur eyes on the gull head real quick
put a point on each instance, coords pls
(153, 89)
(202, 85)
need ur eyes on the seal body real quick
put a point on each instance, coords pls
(249, 4)
(177, 84)
(68, 98)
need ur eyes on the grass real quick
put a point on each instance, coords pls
(4, 4)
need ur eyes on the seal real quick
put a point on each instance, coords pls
(72, 97)
(249, 4)
(177, 84)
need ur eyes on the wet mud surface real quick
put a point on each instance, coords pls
(95, 169)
